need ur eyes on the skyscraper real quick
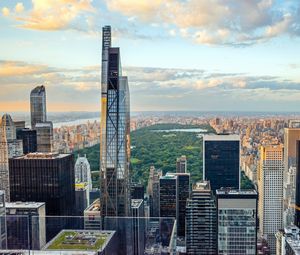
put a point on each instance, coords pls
(181, 164)
(4, 164)
(221, 161)
(168, 197)
(28, 136)
(115, 133)
(44, 134)
(237, 221)
(291, 135)
(153, 191)
(83, 171)
(297, 202)
(38, 105)
(201, 221)
(270, 190)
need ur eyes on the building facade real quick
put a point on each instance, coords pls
(270, 190)
(181, 164)
(221, 161)
(38, 106)
(153, 191)
(201, 221)
(237, 221)
(26, 225)
(44, 134)
(29, 138)
(168, 197)
(139, 226)
(83, 171)
(115, 133)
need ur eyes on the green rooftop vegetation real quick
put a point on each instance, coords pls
(73, 240)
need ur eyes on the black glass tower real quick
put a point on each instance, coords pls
(29, 138)
(221, 161)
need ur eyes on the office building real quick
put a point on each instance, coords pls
(168, 197)
(82, 198)
(33, 176)
(137, 191)
(181, 164)
(44, 136)
(201, 221)
(153, 191)
(4, 161)
(92, 216)
(139, 224)
(288, 241)
(270, 190)
(221, 161)
(297, 198)
(19, 124)
(3, 229)
(237, 221)
(183, 182)
(291, 135)
(15, 148)
(115, 133)
(38, 106)
(26, 225)
(83, 171)
(28, 137)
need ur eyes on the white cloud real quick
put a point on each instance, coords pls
(5, 11)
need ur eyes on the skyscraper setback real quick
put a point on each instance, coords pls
(115, 133)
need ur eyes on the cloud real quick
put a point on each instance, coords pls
(151, 88)
(19, 7)
(5, 11)
(54, 14)
(230, 22)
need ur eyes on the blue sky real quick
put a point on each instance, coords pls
(178, 54)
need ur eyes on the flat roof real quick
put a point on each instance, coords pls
(236, 192)
(80, 240)
(27, 205)
(41, 155)
(221, 137)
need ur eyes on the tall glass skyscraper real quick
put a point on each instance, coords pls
(115, 132)
(38, 105)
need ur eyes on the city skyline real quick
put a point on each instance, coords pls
(228, 54)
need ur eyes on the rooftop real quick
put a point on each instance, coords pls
(41, 155)
(23, 205)
(80, 240)
(221, 137)
(236, 192)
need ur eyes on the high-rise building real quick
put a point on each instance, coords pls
(153, 191)
(201, 221)
(15, 148)
(83, 171)
(183, 194)
(270, 190)
(4, 163)
(137, 191)
(221, 161)
(26, 225)
(44, 134)
(3, 229)
(288, 242)
(181, 164)
(237, 221)
(291, 135)
(168, 198)
(138, 214)
(34, 176)
(92, 216)
(297, 199)
(38, 106)
(28, 136)
(82, 198)
(115, 133)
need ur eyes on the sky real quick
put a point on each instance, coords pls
(179, 55)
